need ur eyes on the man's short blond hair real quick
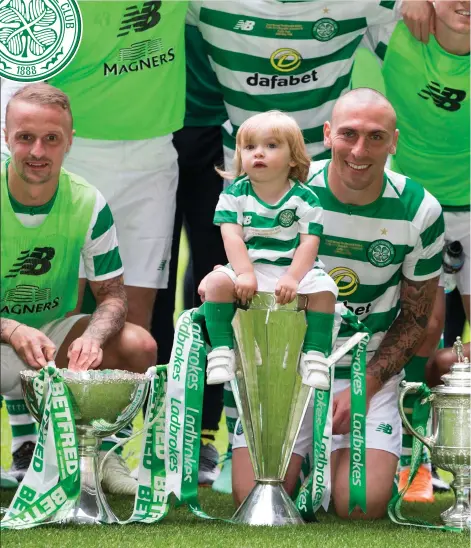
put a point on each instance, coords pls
(41, 93)
(284, 128)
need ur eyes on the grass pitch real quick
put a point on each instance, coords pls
(181, 529)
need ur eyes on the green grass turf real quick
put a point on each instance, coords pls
(181, 528)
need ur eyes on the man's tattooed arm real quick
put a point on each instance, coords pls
(406, 333)
(111, 310)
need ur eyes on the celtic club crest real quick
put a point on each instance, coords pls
(325, 29)
(38, 38)
(286, 218)
(381, 253)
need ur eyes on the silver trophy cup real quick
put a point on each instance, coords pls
(272, 400)
(103, 403)
(450, 443)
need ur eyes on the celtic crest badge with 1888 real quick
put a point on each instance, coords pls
(38, 38)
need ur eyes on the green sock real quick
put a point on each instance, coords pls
(415, 372)
(218, 323)
(319, 332)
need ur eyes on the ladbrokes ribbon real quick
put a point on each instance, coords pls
(316, 490)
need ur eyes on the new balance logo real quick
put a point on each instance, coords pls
(140, 20)
(385, 428)
(244, 25)
(32, 263)
(446, 98)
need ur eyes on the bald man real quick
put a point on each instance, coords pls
(382, 242)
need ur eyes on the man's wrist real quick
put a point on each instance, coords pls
(8, 327)
(373, 385)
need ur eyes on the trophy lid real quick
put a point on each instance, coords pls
(458, 380)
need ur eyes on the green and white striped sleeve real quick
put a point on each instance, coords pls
(100, 253)
(425, 260)
(227, 210)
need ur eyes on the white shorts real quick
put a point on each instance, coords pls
(383, 423)
(457, 228)
(11, 364)
(139, 180)
(315, 281)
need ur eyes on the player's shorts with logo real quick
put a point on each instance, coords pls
(315, 281)
(383, 423)
(139, 181)
(11, 364)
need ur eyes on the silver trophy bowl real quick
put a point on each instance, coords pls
(450, 444)
(103, 403)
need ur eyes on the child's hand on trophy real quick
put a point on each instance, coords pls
(245, 286)
(286, 289)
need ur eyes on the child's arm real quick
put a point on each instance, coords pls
(238, 256)
(303, 261)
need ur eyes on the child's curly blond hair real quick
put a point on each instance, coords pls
(284, 128)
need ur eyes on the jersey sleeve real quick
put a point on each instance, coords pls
(311, 215)
(425, 260)
(377, 39)
(383, 12)
(193, 12)
(228, 210)
(100, 253)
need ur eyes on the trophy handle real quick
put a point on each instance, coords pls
(406, 388)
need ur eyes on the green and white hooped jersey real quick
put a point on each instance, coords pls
(368, 250)
(271, 232)
(430, 90)
(45, 249)
(294, 57)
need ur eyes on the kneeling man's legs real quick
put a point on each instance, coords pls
(380, 471)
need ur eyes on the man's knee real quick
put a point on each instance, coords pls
(376, 505)
(137, 347)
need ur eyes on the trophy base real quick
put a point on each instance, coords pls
(91, 507)
(459, 515)
(268, 504)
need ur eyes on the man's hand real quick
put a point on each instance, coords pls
(341, 410)
(84, 353)
(32, 346)
(245, 286)
(419, 16)
(286, 289)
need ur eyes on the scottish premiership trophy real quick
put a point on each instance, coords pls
(103, 403)
(450, 443)
(272, 400)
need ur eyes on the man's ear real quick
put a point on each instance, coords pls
(327, 135)
(5, 132)
(393, 147)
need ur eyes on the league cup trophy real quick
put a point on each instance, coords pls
(450, 443)
(103, 403)
(271, 400)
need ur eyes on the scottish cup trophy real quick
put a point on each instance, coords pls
(450, 442)
(103, 403)
(272, 399)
